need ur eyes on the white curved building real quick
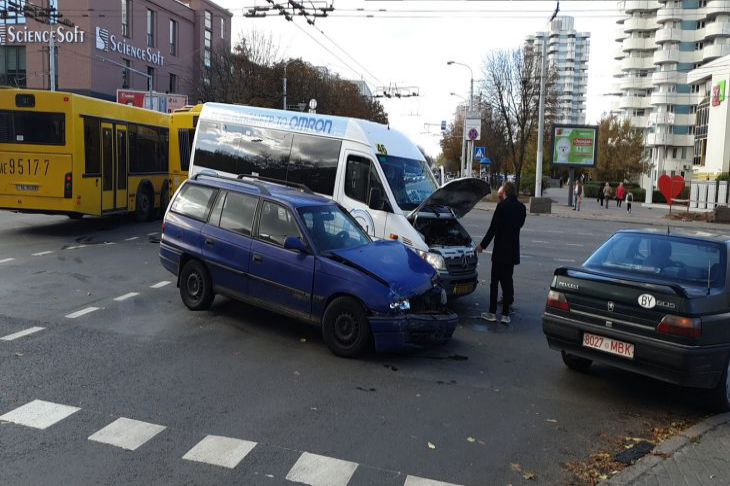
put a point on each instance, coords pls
(567, 51)
(659, 42)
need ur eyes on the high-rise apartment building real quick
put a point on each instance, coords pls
(567, 53)
(659, 42)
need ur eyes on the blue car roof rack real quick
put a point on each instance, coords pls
(261, 187)
(295, 185)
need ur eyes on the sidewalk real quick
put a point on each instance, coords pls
(591, 210)
(698, 456)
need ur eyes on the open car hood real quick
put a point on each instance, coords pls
(459, 195)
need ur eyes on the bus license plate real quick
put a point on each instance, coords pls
(26, 187)
(463, 288)
(608, 345)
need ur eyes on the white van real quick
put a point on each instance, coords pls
(375, 172)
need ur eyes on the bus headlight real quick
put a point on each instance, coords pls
(434, 259)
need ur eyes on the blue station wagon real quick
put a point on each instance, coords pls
(288, 250)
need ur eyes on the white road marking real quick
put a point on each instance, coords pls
(75, 247)
(318, 470)
(132, 238)
(565, 260)
(220, 451)
(41, 253)
(540, 242)
(126, 296)
(109, 243)
(416, 481)
(584, 234)
(39, 414)
(573, 244)
(153, 233)
(20, 334)
(126, 433)
(159, 285)
(6, 260)
(82, 312)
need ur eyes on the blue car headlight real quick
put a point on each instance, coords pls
(403, 305)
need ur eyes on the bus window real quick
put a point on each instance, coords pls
(360, 178)
(313, 162)
(32, 127)
(148, 149)
(92, 146)
(185, 141)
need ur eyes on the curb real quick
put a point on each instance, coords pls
(666, 449)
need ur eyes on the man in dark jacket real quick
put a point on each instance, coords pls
(507, 221)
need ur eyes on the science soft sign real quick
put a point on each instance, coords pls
(575, 145)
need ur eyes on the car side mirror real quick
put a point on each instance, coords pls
(295, 243)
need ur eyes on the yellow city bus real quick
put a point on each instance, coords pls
(62, 153)
(182, 132)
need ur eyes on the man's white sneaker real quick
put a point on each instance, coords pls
(505, 319)
(488, 316)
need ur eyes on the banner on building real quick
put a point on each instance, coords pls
(575, 145)
(162, 102)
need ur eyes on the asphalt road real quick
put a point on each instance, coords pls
(117, 343)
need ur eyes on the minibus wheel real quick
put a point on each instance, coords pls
(345, 328)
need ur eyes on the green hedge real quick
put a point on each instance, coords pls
(591, 190)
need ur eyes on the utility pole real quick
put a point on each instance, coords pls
(541, 117)
(284, 87)
(52, 58)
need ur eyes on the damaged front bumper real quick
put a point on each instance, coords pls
(393, 333)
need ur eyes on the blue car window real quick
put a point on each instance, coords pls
(331, 228)
(238, 212)
(277, 224)
(193, 201)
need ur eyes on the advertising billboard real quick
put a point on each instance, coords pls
(164, 102)
(575, 145)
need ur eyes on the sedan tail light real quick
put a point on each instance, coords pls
(680, 326)
(557, 300)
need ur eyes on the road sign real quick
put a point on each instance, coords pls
(472, 129)
(479, 153)
(485, 161)
(443, 125)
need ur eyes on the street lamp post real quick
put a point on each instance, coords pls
(284, 80)
(463, 136)
(470, 153)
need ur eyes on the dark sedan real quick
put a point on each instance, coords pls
(649, 302)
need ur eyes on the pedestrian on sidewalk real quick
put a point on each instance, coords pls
(578, 196)
(607, 193)
(629, 200)
(507, 221)
(599, 196)
(620, 194)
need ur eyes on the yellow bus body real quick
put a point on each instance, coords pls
(49, 167)
(182, 130)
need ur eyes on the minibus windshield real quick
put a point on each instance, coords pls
(410, 180)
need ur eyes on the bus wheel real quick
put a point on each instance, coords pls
(144, 205)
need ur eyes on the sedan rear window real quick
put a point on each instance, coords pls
(681, 260)
(193, 201)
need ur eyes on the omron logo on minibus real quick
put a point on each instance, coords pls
(298, 122)
(108, 42)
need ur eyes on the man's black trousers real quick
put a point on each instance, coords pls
(501, 276)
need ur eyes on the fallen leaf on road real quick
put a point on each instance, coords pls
(471, 439)
(18, 354)
(302, 340)
(296, 373)
(431, 445)
(529, 475)
(481, 442)
(516, 467)
(552, 421)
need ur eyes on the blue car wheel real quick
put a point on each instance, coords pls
(345, 328)
(196, 287)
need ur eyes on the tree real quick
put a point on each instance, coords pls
(621, 155)
(451, 141)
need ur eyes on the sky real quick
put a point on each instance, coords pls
(409, 43)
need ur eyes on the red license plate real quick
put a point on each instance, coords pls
(608, 345)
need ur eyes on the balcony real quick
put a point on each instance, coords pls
(629, 63)
(618, 52)
(668, 77)
(639, 121)
(666, 55)
(715, 7)
(663, 118)
(639, 44)
(670, 99)
(717, 29)
(668, 34)
(714, 51)
(635, 83)
(640, 23)
(620, 33)
(634, 102)
(641, 5)
(660, 139)
(666, 14)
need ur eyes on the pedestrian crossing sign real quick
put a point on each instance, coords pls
(479, 153)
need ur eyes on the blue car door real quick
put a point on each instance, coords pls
(227, 242)
(280, 278)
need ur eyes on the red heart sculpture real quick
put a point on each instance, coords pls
(671, 187)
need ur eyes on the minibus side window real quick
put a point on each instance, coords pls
(313, 162)
(361, 180)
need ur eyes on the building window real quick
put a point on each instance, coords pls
(173, 83)
(125, 74)
(223, 28)
(700, 24)
(150, 78)
(12, 66)
(208, 38)
(173, 37)
(14, 9)
(126, 15)
(699, 46)
(151, 18)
